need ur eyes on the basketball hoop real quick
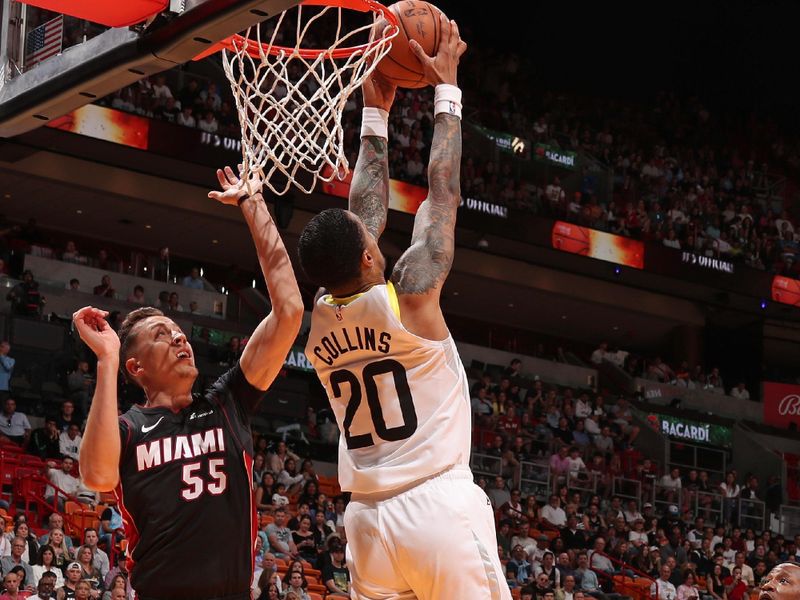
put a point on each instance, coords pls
(290, 98)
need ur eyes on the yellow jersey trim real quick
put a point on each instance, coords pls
(393, 300)
(394, 303)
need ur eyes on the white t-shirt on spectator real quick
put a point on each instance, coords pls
(729, 491)
(637, 536)
(668, 482)
(161, 91)
(64, 481)
(556, 516)
(672, 243)
(554, 193)
(598, 356)
(15, 426)
(740, 394)
(582, 409)
(575, 464)
(666, 591)
(69, 447)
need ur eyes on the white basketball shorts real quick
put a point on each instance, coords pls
(434, 541)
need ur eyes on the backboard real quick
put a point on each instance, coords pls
(52, 63)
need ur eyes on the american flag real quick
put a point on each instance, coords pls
(45, 40)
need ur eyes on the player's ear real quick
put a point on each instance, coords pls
(133, 367)
(367, 259)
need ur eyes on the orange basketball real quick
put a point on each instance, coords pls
(418, 21)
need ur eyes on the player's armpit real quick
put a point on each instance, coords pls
(369, 189)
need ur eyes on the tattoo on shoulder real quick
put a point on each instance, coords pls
(370, 186)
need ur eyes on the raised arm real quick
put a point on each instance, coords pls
(423, 268)
(369, 189)
(101, 445)
(271, 341)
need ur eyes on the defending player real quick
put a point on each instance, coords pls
(417, 525)
(181, 466)
(781, 583)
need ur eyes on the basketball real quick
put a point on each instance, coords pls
(418, 21)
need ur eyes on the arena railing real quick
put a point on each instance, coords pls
(627, 489)
(788, 520)
(486, 464)
(534, 478)
(752, 514)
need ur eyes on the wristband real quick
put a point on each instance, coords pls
(375, 121)
(242, 199)
(447, 99)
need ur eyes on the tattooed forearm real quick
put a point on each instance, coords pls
(427, 262)
(369, 190)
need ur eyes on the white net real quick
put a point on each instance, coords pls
(290, 100)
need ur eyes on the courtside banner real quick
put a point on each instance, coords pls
(781, 404)
(575, 239)
(786, 290)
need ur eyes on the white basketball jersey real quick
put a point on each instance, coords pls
(401, 401)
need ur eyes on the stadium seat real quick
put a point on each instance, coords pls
(315, 596)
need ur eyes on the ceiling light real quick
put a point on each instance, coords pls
(510, 305)
(215, 241)
(563, 317)
(7, 195)
(616, 328)
(79, 211)
(148, 226)
(455, 293)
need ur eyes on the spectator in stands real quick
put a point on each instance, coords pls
(174, 303)
(688, 589)
(120, 569)
(99, 557)
(137, 297)
(335, 575)
(11, 588)
(25, 297)
(597, 557)
(670, 484)
(303, 539)
(746, 570)
(519, 570)
(524, 539)
(6, 370)
(263, 573)
(80, 384)
(22, 531)
(552, 515)
(730, 492)
(547, 567)
(280, 537)
(588, 579)
(14, 425)
(295, 583)
(277, 459)
(18, 546)
(568, 591)
(89, 572)
(185, 117)
(55, 521)
(46, 563)
(662, 588)
(112, 530)
(161, 91)
(498, 494)
(161, 265)
(574, 537)
(208, 123)
(72, 576)
(66, 416)
(71, 254)
(599, 355)
(735, 585)
(194, 308)
(193, 280)
(63, 480)
(715, 584)
(290, 477)
(75, 284)
(47, 585)
(740, 391)
(118, 590)
(105, 289)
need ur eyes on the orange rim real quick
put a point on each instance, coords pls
(237, 42)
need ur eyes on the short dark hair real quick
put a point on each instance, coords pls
(330, 248)
(126, 339)
(73, 280)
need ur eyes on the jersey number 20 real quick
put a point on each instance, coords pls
(368, 375)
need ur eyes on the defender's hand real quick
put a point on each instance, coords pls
(233, 187)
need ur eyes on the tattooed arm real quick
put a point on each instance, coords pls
(369, 190)
(420, 273)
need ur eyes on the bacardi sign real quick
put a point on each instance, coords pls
(781, 404)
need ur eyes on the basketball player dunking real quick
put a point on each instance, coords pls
(179, 465)
(417, 526)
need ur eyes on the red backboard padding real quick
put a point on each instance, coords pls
(114, 13)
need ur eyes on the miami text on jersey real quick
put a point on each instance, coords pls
(158, 452)
(347, 339)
